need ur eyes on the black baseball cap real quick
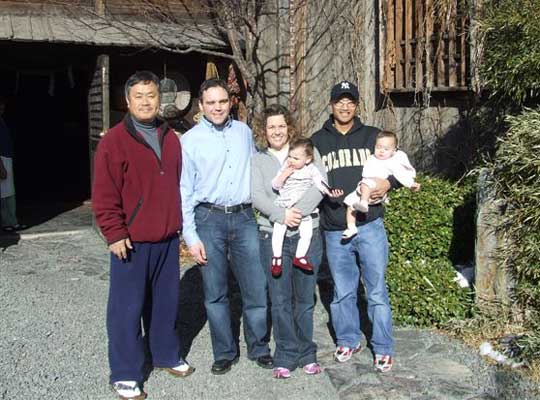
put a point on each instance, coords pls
(342, 88)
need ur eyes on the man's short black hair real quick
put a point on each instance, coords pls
(141, 76)
(214, 82)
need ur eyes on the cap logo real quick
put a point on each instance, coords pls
(345, 85)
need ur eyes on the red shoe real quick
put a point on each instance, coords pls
(276, 267)
(302, 263)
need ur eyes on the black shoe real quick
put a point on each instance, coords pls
(265, 361)
(221, 367)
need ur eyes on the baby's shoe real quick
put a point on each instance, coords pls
(302, 263)
(312, 369)
(276, 267)
(349, 233)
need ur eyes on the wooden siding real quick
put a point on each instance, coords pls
(425, 46)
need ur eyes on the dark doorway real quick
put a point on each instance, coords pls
(46, 87)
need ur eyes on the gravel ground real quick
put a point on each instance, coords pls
(53, 296)
(53, 293)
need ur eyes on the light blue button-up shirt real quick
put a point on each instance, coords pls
(216, 168)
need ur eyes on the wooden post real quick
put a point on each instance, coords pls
(408, 44)
(98, 109)
(440, 47)
(464, 65)
(492, 281)
(399, 43)
(420, 45)
(429, 43)
(99, 6)
(452, 70)
(390, 56)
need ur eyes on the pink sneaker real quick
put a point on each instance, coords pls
(281, 373)
(312, 369)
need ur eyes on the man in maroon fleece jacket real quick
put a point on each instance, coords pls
(136, 202)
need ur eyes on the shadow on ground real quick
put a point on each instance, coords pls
(33, 214)
(191, 311)
(8, 239)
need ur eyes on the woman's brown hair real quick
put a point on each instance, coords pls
(259, 125)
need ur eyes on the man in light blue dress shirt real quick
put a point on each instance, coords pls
(220, 227)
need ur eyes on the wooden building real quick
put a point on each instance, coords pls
(414, 63)
(62, 70)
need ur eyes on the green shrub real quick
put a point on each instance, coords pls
(423, 233)
(516, 175)
(511, 62)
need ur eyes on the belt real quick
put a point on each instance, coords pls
(226, 209)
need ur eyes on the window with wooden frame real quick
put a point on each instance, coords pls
(425, 46)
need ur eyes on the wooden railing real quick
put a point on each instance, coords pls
(425, 45)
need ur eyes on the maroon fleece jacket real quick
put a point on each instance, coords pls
(134, 193)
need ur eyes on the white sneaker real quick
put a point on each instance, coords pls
(383, 363)
(344, 353)
(349, 233)
(128, 390)
(361, 206)
(182, 370)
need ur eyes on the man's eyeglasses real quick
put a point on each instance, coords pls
(345, 104)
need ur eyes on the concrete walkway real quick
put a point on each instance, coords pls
(53, 293)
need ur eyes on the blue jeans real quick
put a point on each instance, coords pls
(233, 235)
(370, 247)
(292, 296)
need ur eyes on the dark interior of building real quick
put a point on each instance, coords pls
(46, 87)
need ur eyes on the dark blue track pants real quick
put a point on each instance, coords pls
(146, 286)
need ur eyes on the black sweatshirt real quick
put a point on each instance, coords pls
(343, 157)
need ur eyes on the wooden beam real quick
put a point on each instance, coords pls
(429, 43)
(407, 66)
(452, 70)
(440, 47)
(389, 80)
(464, 54)
(399, 43)
(99, 6)
(420, 45)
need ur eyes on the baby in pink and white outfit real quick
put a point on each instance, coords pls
(386, 161)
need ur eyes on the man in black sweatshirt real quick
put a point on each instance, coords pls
(345, 144)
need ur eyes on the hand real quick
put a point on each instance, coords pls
(335, 193)
(198, 253)
(120, 248)
(293, 217)
(415, 187)
(287, 172)
(382, 186)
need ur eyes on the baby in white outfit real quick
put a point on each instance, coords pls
(386, 161)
